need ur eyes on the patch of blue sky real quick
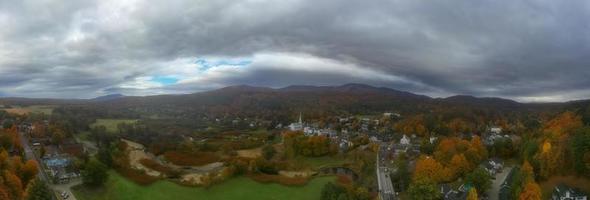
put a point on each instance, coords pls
(207, 64)
(165, 80)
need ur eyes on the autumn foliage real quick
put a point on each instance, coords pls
(563, 124)
(136, 176)
(531, 191)
(15, 173)
(428, 168)
(190, 159)
(296, 143)
(458, 157)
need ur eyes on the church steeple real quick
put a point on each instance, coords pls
(300, 120)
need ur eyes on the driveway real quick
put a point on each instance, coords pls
(500, 177)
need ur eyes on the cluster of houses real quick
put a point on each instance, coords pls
(57, 159)
(492, 166)
(494, 135)
(405, 146)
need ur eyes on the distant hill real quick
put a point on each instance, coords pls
(482, 101)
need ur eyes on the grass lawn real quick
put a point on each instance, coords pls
(317, 162)
(111, 124)
(119, 188)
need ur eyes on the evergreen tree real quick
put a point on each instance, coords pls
(94, 173)
(38, 190)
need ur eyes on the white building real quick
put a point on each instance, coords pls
(405, 140)
(496, 130)
(297, 126)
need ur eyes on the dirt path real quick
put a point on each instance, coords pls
(250, 153)
(136, 153)
(293, 174)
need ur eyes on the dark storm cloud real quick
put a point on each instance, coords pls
(525, 50)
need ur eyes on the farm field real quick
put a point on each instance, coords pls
(118, 188)
(45, 109)
(111, 124)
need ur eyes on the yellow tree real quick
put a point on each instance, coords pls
(527, 171)
(472, 195)
(550, 159)
(478, 147)
(427, 167)
(531, 191)
(446, 149)
(459, 165)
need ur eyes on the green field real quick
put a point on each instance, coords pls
(111, 124)
(119, 188)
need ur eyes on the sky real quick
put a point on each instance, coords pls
(528, 51)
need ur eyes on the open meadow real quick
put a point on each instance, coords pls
(119, 188)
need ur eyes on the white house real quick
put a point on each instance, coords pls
(496, 130)
(405, 140)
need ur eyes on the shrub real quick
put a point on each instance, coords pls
(283, 180)
(137, 176)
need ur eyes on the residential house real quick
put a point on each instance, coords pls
(563, 192)
(404, 141)
(449, 193)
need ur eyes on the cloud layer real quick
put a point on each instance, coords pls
(525, 50)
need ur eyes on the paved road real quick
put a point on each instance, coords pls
(31, 156)
(386, 191)
(500, 177)
(67, 188)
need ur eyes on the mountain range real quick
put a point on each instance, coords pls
(245, 99)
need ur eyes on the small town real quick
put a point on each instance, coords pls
(394, 152)
(294, 100)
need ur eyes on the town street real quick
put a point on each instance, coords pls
(496, 184)
(30, 155)
(386, 191)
